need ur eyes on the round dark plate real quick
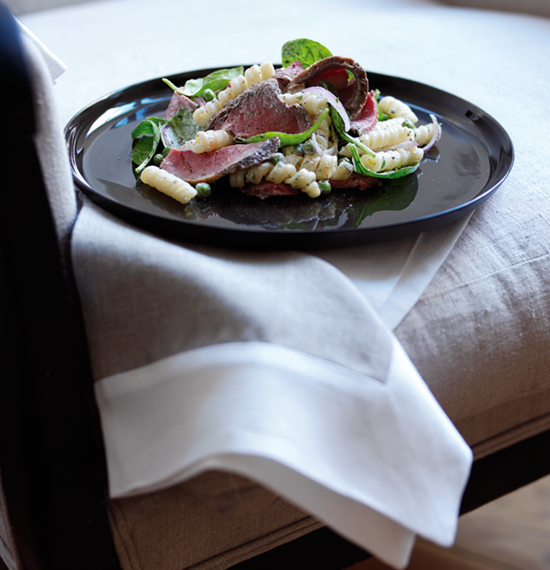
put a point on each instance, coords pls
(471, 160)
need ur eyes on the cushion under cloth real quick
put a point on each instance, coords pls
(173, 529)
(480, 334)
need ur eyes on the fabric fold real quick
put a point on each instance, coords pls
(54, 65)
(271, 365)
(377, 462)
(145, 298)
(393, 275)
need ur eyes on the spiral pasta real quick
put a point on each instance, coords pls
(395, 108)
(297, 170)
(313, 103)
(424, 134)
(392, 159)
(207, 141)
(300, 179)
(396, 142)
(252, 75)
(325, 138)
(326, 166)
(280, 172)
(378, 139)
(168, 184)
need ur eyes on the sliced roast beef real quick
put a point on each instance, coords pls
(178, 103)
(285, 75)
(367, 118)
(265, 190)
(356, 181)
(259, 109)
(210, 166)
(352, 96)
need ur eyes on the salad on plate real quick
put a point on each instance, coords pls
(311, 126)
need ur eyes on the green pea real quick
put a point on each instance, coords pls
(324, 186)
(157, 159)
(308, 147)
(208, 95)
(166, 150)
(203, 190)
(277, 157)
(290, 149)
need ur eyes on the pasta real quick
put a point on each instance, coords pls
(290, 132)
(207, 141)
(395, 144)
(252, 75)
(392, 159)
(313, 103)
(395, 108)
(282, 173)
(168, 184)
(378, 139)
(424, 133)
(296, 170)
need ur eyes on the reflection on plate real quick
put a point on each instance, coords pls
(472, 159)
(343, 209)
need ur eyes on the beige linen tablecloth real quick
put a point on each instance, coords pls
(281, 366)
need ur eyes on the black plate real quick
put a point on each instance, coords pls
(471, 160)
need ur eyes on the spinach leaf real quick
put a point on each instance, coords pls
(303, 50)
(391, 174)
(338, 125)
(381, 115)
(146, 146)
(146, 127)
(215, 81)
(181, 128)
(284, 138)
(393, 195)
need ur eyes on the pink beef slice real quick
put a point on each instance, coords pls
(265, 190)
(177, 103)
(210, 166)
(353, 97)
(368, 117)
(260, 109)
(284, 75)
(354, 181)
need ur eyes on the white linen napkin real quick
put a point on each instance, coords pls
(393, 275)
(55, 66)
(272, 365)
(377, 462)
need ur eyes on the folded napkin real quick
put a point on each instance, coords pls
(271, 365)
(393, 275)
(276, 366)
